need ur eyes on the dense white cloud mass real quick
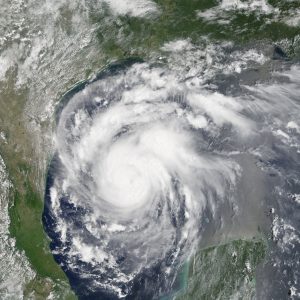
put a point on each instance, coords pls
(139, 160)
(135, 8)
(130, 153)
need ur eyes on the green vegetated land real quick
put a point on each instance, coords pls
(26, 197)
(125, 35)
(224, 271)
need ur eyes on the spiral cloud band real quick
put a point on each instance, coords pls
(134, 172)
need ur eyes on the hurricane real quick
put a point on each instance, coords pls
(145, 164)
